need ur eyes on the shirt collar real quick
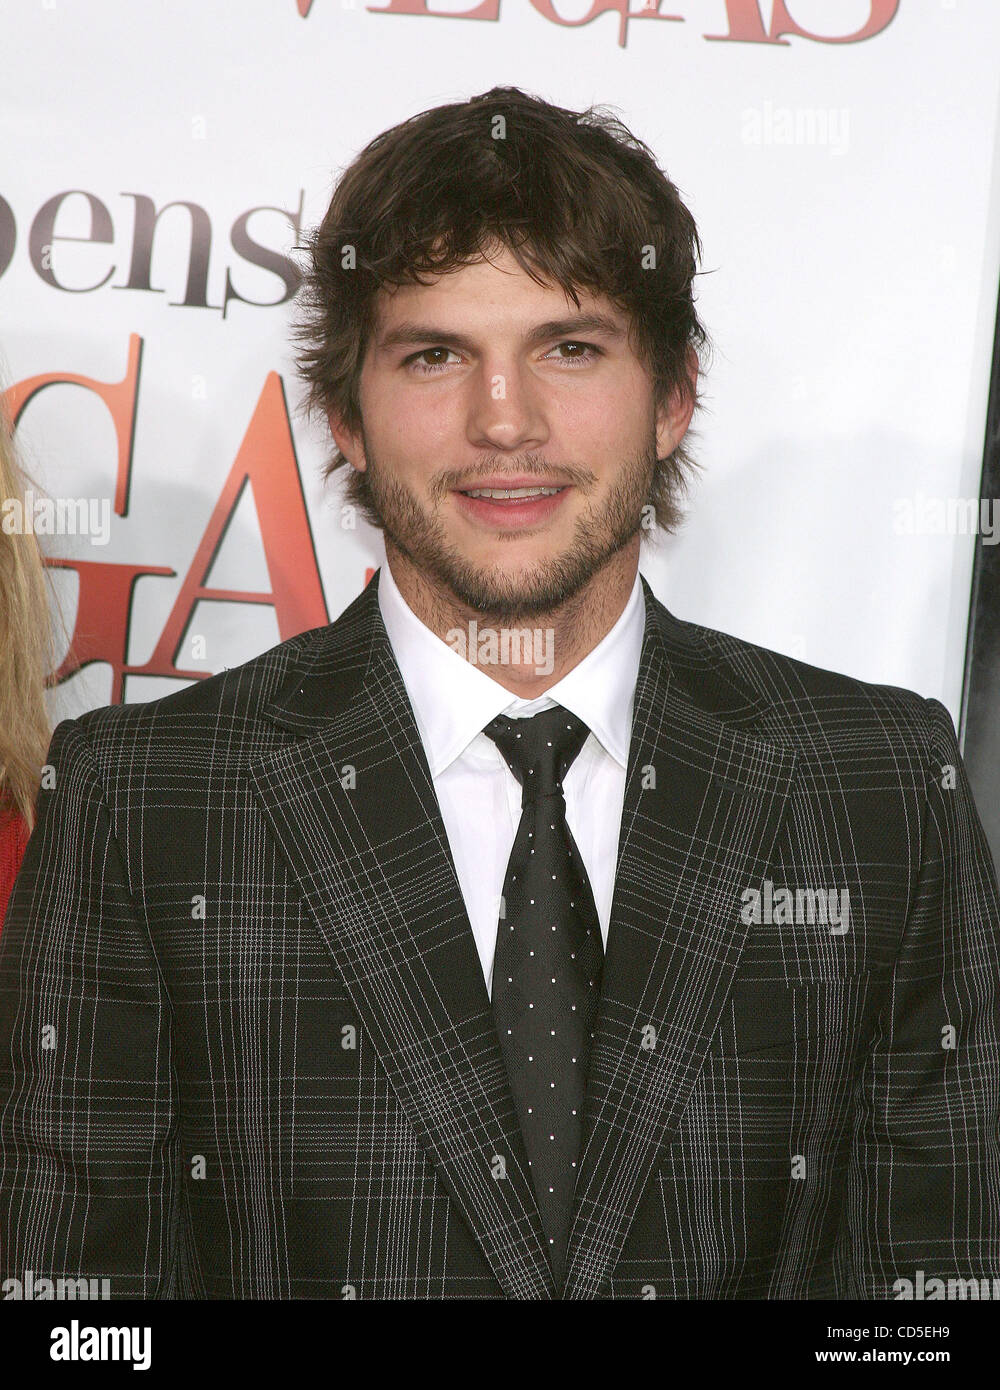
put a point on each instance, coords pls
(453, 700)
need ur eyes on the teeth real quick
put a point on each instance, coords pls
(496, 492)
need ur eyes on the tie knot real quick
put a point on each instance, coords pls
(540, 749)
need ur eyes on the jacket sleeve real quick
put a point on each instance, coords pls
(923, 1198)
(88, 1166)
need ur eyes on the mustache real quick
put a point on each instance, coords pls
(522, 465)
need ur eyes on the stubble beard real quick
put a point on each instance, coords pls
(600, 532)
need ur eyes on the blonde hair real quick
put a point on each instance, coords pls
(26, 647)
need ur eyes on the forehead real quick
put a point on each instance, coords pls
(495, 291)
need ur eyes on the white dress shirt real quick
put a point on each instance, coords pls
(480, 798)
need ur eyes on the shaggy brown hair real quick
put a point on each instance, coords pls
(577, 199)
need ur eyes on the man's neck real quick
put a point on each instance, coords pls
(559, 638)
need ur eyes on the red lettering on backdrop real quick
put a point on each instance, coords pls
(101, 629)
(882, 14)
(599, 7)
(487, 9)
(746, 25)
(119, 397)
(266, 460)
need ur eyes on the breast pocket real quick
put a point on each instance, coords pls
(813, 1020)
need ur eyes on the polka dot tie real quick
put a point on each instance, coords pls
(547, 968)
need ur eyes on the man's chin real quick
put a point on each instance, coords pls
(515, 595)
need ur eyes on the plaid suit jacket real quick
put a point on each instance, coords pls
(246, 1049)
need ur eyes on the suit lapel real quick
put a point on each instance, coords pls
(353, 807)
(703, 802)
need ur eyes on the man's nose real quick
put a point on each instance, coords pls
(506, 410)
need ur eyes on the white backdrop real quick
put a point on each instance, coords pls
(846, 194)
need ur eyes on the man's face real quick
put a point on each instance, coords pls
(485, 381)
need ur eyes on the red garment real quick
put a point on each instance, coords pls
(13, 842)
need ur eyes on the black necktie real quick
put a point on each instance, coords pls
(547, 967)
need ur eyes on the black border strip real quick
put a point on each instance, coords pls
(979, 727)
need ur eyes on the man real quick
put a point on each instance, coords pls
(509, 937)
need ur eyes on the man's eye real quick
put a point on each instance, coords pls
(577, 352)
(430, 359)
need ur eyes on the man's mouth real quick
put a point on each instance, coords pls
(511, 508)
(511, 493)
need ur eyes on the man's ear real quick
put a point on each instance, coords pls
(674, 416)
(348, 441)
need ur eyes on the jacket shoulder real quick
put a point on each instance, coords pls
(237, 692)
(802, 700)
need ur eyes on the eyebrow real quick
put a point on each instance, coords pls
(411, 334)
